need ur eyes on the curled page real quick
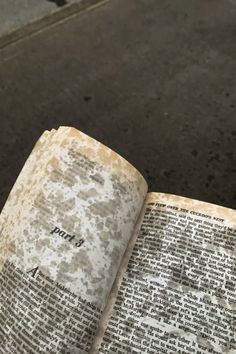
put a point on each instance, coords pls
(64, 230)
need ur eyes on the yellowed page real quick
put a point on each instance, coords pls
(107, 313)
(62, 242)
(178, 292)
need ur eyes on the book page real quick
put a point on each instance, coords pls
(107, 313)
(178, 294)
(64, 230)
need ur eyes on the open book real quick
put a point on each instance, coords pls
(92, 263)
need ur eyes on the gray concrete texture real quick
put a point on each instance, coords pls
(154, 80)
(17, 13)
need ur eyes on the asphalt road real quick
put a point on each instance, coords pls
(154, 80)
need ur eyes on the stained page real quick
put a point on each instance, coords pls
(65, 228)
(178, 294)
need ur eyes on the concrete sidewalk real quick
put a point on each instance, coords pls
(19, 19)
(17, 13)
(155, 80)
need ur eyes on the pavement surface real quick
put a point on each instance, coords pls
(17, 13)
(154, 80)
